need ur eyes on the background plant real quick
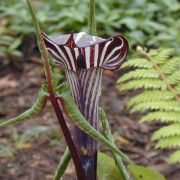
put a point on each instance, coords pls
(155, 76)
(146, 22)
(19, 140)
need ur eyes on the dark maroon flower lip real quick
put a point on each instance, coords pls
(80, 50)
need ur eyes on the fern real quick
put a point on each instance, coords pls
(167, 131)
(144, 83)
(169, 142)
(156, 76)
(137, 63)
(140, 73)
(150, 96)
(162, 116)
(175, 157)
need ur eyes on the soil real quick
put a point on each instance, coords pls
(38, 156)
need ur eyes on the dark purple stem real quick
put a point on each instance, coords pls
(79, 169)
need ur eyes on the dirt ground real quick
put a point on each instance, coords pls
(38, 157)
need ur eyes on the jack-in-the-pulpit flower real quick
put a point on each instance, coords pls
(83, 58)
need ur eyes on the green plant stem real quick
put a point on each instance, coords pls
(62, 165)
(109, 137)
(92, 18)
(163, 77)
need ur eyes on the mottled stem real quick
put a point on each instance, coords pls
(92, 18)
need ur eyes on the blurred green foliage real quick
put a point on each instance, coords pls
(19, 140)
(145, 22)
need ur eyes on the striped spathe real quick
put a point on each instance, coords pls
(84, 57)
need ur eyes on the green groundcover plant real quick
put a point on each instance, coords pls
(145, 22)
(77, 100)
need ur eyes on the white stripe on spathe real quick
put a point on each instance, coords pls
(111, 60)
(76, 52)
(94, 93)
(87, 55)
(79, 36)
(111, 54)
(70, 57)
(93, 39)
(104, 51)
(96, 50)
(98, 91)
(113, 51)
(115, 60)
(63, 55)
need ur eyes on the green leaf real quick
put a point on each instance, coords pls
(171, 65)
(6, 151)
(161, 55)
(143, 83)
(149, 96)
(17, 42)
(167, 131)
(175, 157)
(107, 169)
(163, 116)
(144, 173)
(62, 165)
(157, 105)
(64, 88)
(56, 77)
(137, 63)
(130, 22)
(168, 142)
(139, 74)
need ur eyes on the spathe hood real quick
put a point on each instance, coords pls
(82, 51)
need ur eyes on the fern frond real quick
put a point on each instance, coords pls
(175, 157)
(150, 95)
(167, 131)
(157, 105)
(139, 74)
(177, 88)
(174, 78)
(162, 116)
(161, 55)
(156, 76)
(169, 142)
(137, 63)
(143, 83)
(171, 66)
